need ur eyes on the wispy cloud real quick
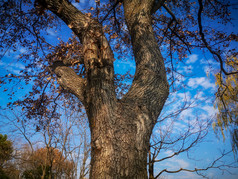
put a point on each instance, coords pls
(176, 163)
(22, 50)
(210, 110)
(51, 32)
(184, 96)
(200, 81)
(14, 68)
(188, 113)
(192, 58)
(209, 62)
(210, 66)
(188, 69)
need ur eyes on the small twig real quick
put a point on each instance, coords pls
(113, 7)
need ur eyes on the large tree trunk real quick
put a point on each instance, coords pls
(120, 143)
(120, 129)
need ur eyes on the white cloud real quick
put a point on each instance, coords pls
(176, 163)
(18, 65)
(200, 96)
(12, 70)
(188, 113)
(211, 69)
(210, 110)
(175, 102)
(22, 50)
(15, 54)
(209, 62)
(51, 32)
(192, 58)
(182, 163)
(185, 96)
(179, 78)
(188, 69)
(178, 127)
(168, 152)
(185, 69)
(200, 81)
(207, 69)
(13, 67)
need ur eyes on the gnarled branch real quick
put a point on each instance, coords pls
(69, 80)
(206, 43)
(150, 87)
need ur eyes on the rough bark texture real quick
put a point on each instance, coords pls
(120, 129)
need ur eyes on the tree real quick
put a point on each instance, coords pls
(83, 66)
(68, 138)
(227, 102)
(6, 150)
(120, 130)
(41, 164)
(3, 175)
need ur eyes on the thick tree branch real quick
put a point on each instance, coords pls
(74, 18)
(81, 24)
(67, 62)
(150, 87)
(69, 80)
(170, 12)
(96, 53)
(156, 5)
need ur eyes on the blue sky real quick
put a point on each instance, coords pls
(198, 88)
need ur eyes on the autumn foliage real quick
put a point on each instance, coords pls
(46, 162)
(227, 101)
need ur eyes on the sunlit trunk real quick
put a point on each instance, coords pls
(120, 128)
(120, 143)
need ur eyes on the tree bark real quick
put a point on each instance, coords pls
(120, 129)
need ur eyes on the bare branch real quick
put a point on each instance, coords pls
(113, 7)
(197, 170)
(170, 12)
(199, 137)
(206, 43)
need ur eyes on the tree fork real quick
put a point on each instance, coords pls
(120, 129)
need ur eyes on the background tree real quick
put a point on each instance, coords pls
(42, 164)
(83, 66)
(227, 101)
(6, 150)
(69, 137)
